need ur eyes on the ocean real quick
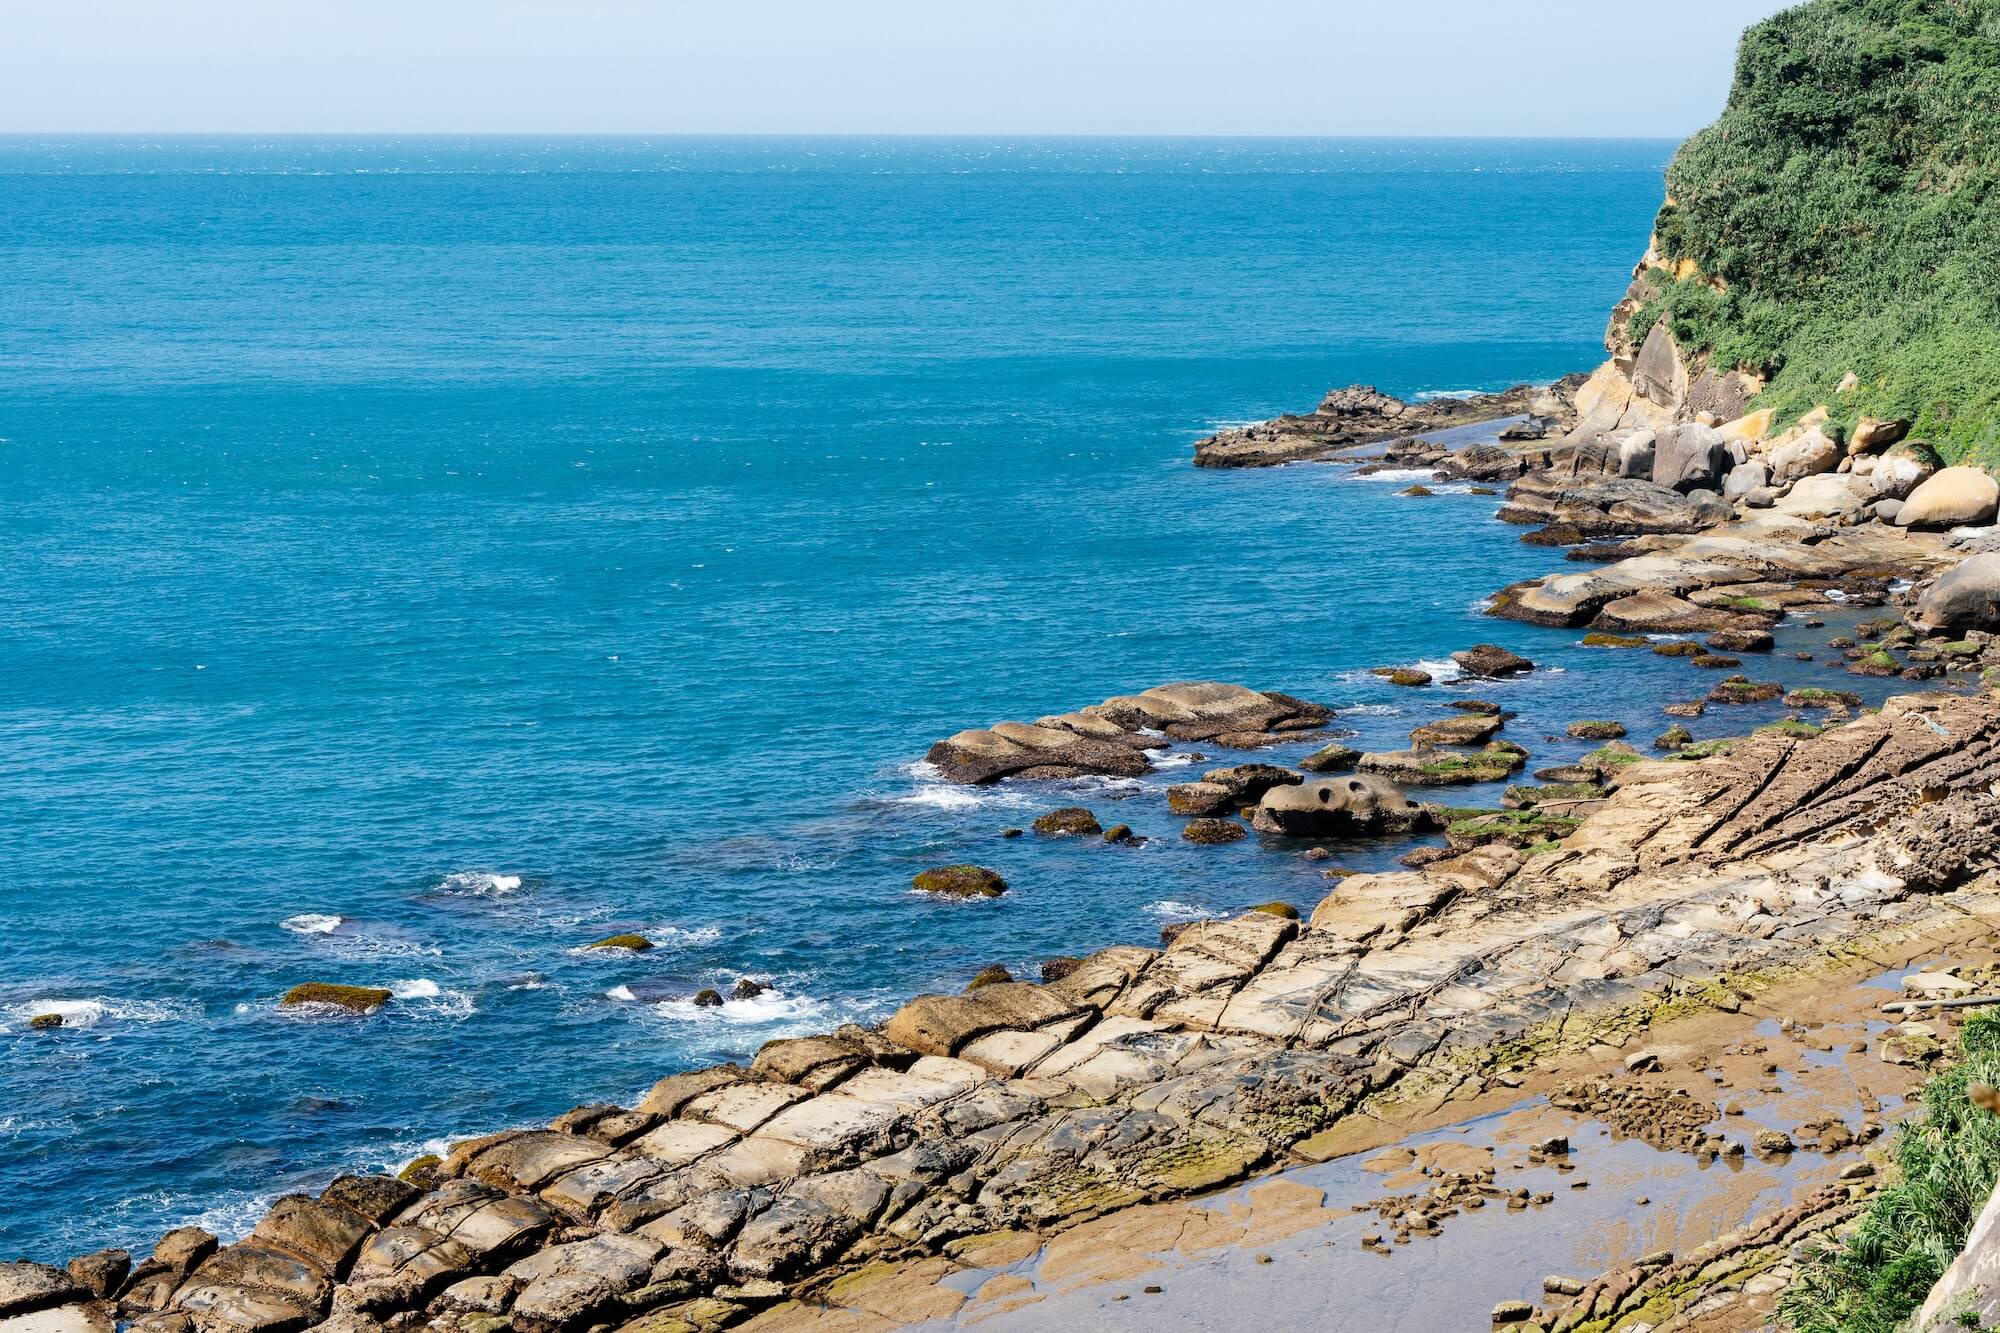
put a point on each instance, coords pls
(423, 557)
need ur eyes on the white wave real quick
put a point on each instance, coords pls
(684, 936)
(432, 998)
(479, 883)
(529, 983)
(943, 798)
(1371, 710)
(1173, 910)
(621, 993)
(1432, 395)
(1835, 595)
(1402, 474)
(1174, 761)
(311, 923)
(1443, 672)
(88, 1013)
(772, 1006)
(1897, 587)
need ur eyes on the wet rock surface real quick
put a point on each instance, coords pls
(1362, 415)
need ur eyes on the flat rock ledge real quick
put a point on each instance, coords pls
(1362, 415)
(1114, 738)
(1142, 1074)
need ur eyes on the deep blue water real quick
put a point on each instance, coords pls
(493, 544)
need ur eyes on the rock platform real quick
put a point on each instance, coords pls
(1140, 1075)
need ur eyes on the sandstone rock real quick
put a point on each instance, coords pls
(327, 1234)
(26, 1287)
(101, 1273)
(1464, 729)
(1635, 454)
(1871, 435)
(1199, 798)
(1247, 782)
(1967, 597)
(1430, 768)
(353, 999)
(1742, 640)
(1342, 807)
(1957, 496)
(1811, 454)
(1827, 495)
(960, 881)
(1691, 457)
(1745, 478)
(1486, 659)
(1335, 758)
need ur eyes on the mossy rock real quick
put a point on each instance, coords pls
(1743, 690)
(1596, 729)
(1705, 749)
(992, 975)
(1678, 648)
(1409, 676)
(1517, 828)
(1527, 798)
(1121, 833)
(1812, 696)
(422, 1172)
(1483, 707)
(1334, 758)
(1715, 661)
(1615, 755)
(1488, 765)
(354, 999)
(1072, 821)
(630, 943)
(1600, 639)
(1285, 910)
(1675, 737)
(1756, 604)
(45, 1022)
(1416, 490)
(1877, 663)
(1792, 727)
(963, 881)
(1480, 490)
(708, 998)
(1213, 832)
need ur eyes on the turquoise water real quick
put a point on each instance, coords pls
(425, 557)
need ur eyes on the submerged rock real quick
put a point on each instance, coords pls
(1210, 832)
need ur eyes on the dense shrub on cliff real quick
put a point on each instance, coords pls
(1946, 1159)
(1848, 205)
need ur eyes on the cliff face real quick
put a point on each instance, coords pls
(1842, 219)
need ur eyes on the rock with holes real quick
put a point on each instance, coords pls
(1355, 804)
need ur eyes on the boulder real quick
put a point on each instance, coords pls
(1967, 597)
(26, 1287)
(1212, 832)
(1692, 457)
(1956, 497)
(1893, 475)
(1745, 478)
(1635, 454)
(1807, 456)
(101, 1273)
(629, 943)
(1871, 435)
(1199, 798)
(961, 881)
(1338, 807)
(1072, 821)
(1335, 758)
(1827, 495)
(1248, 782)
(1487, 659)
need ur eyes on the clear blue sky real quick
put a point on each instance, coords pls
(1553, 67)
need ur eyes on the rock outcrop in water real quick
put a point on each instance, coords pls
(1362, 415)
(1113, 739)
(1141, 1074)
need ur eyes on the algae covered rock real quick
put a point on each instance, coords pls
(1743, 690)
(45, 1022)
(1596, 729)
(1490, 660)
(354, 999)
(994, 974)
(961, 881)
(629, 943)
(1213, 832)
(1285, 910)
(1409, 676)
(1335, 758)
(1072, 821)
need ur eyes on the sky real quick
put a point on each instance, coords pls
(1278, 67)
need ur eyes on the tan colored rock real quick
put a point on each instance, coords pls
(1955, 497)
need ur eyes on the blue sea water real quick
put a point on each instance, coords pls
(420, 558)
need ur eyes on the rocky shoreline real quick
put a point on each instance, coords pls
(1625, 893)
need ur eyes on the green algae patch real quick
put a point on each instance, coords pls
(1791, 727)
(1285, 910)
(1517, 828)
(1600, 639)
(1705, 749)
(354, 999)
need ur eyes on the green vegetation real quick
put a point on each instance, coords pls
(1846, 206)
(1947, 1158)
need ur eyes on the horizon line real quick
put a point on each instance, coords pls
(835, 134)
